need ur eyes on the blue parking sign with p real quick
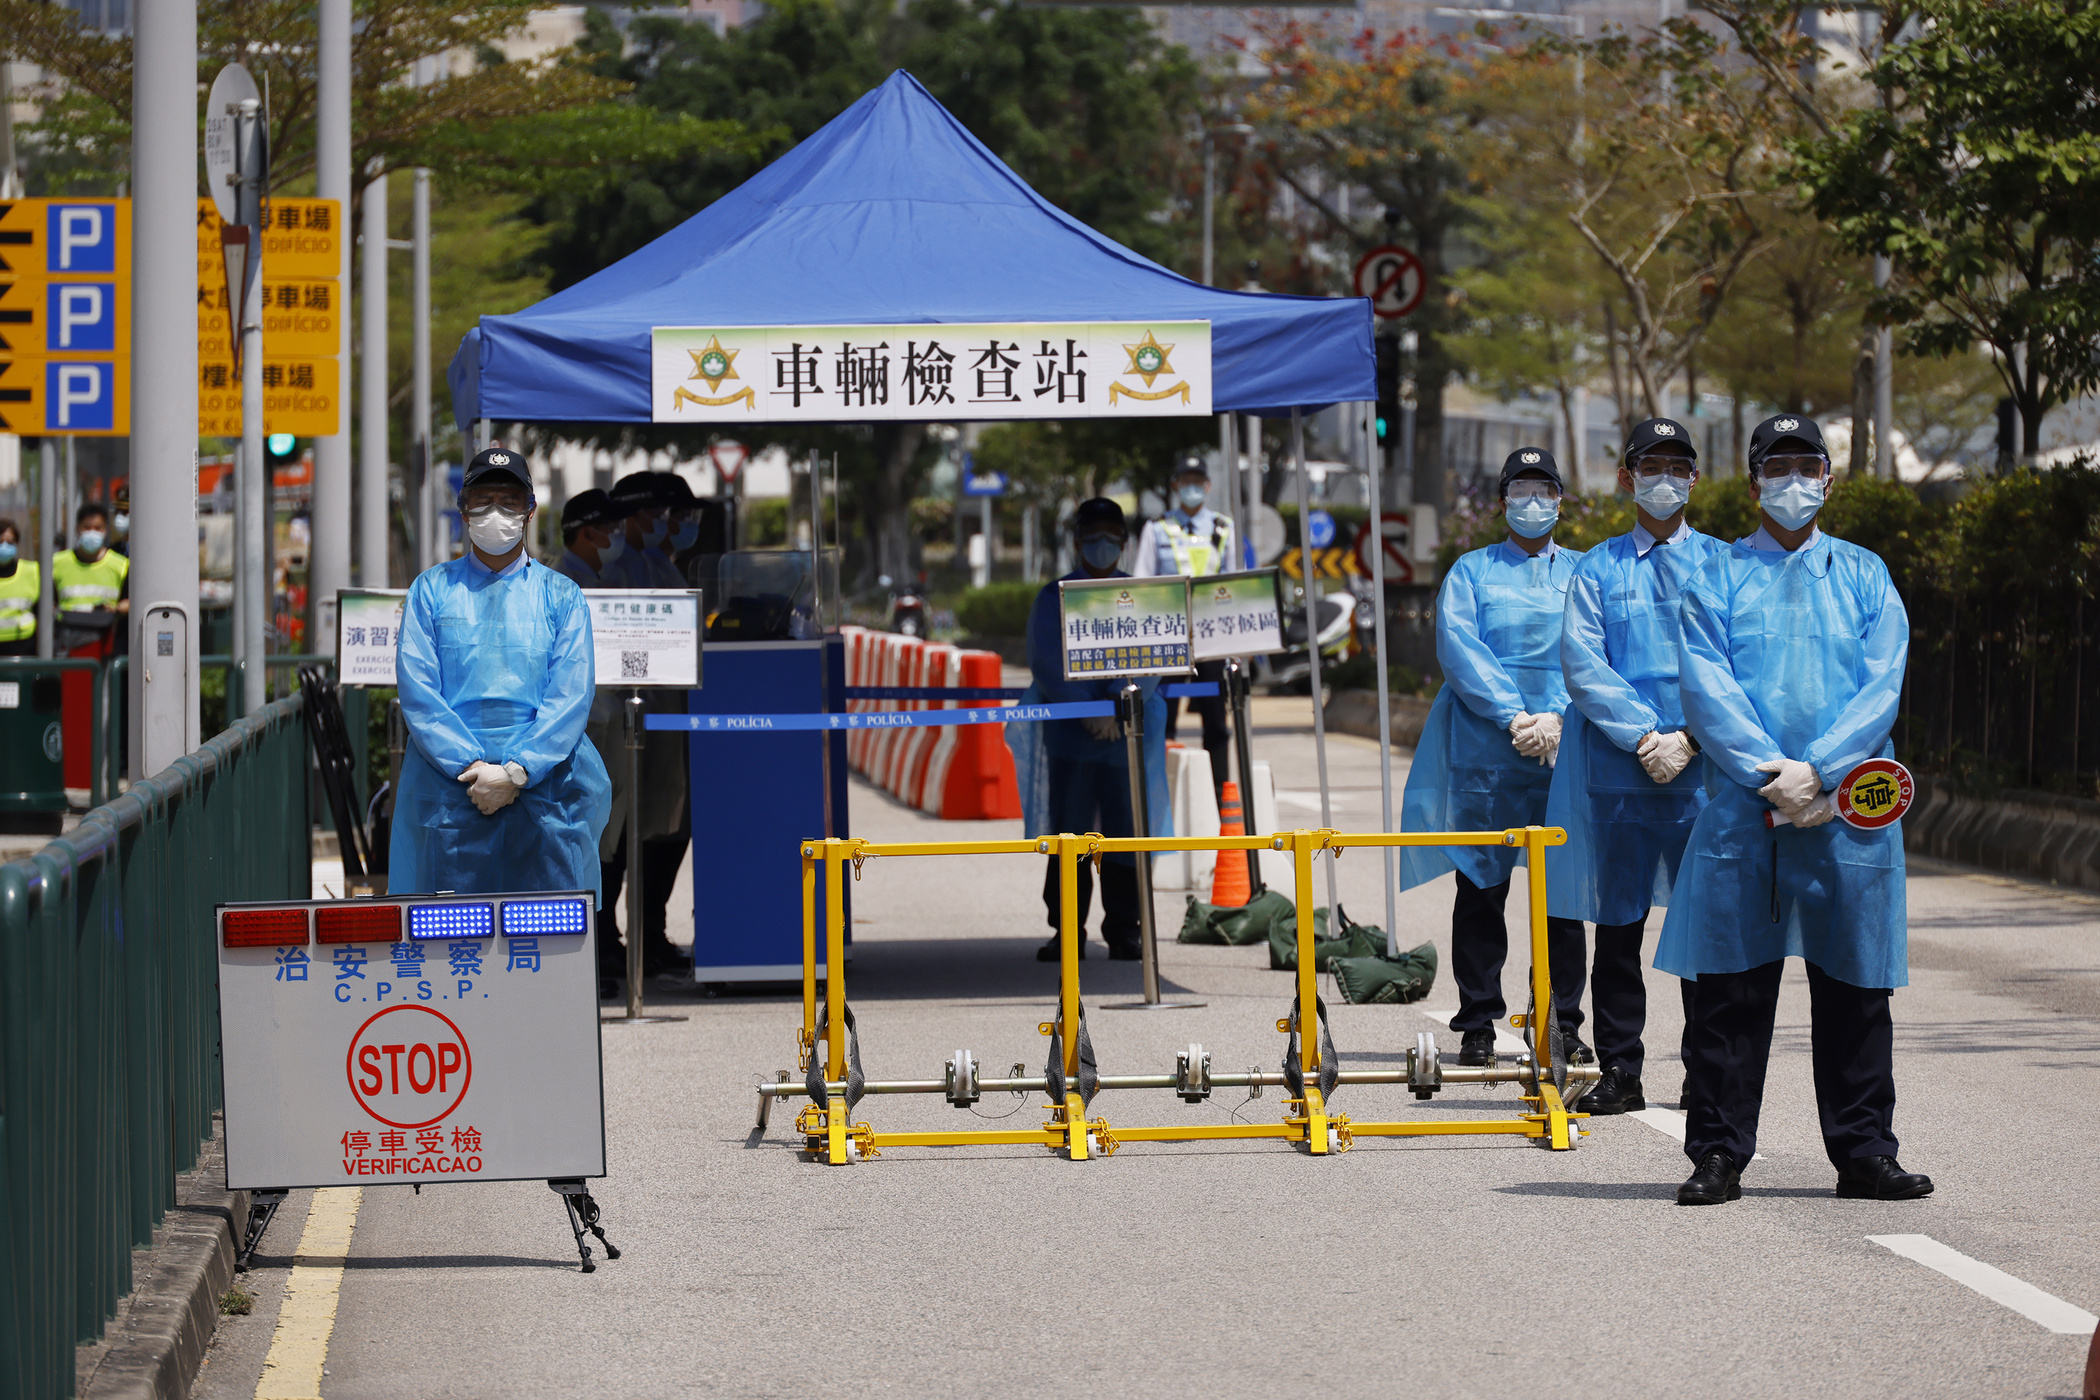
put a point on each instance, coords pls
(80, 316)
(80, 238)
(80, 396)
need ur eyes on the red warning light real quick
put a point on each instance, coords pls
(264, 928)
(357, 923)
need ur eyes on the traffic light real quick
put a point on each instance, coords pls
(282, 449)
(1388, 385)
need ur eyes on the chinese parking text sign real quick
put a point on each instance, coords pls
(646, 637)
(818, 374)
(1235, 615)
(1124, 627)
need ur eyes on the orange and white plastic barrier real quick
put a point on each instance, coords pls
(960, 772)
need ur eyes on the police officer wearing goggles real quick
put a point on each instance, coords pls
(1194, 541)
(499, 791)
(1792, 660)
(1629, 783)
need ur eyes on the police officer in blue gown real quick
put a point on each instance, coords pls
(499, 791)
(1792, 662)
(1487, 750)
(1627, 787)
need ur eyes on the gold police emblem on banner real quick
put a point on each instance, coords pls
(714, 364)
(1148, 361)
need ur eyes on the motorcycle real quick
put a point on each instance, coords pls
(907, 609)
(1291, 670)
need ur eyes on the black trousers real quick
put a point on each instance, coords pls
(1853, 1045)
(661, 858)
(1480, 945)
(1217, 727)
(1119, 900)
(1618, 996)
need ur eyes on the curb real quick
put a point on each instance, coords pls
(2037, 835)
(157, 1341)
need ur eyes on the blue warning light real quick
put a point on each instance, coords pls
(537, 918)
(451, 920)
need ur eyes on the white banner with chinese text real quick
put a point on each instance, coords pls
(967, 372)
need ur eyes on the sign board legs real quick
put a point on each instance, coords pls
(1238, 685)
(262, 1209)
(1312, 643)
(1130, 703)
(583, 1215)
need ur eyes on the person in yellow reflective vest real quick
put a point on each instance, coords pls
(21, 582)
(1194, 541)
(88, 586)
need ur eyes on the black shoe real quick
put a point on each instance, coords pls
(1477, 1048)
(1619, 1091)
(1715, 1181)
(1881, 1179)
(1125, 953)
(1049, 951)
(1577, 1053)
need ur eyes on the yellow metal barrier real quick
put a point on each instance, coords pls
(832, 1136)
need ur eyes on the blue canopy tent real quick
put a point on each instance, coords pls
(893, 213)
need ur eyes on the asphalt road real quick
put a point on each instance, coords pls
(1431, 1266)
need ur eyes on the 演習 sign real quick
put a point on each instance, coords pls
(1037, 369)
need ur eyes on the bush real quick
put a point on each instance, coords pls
(997, 609)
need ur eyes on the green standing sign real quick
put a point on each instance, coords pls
(1125, 627)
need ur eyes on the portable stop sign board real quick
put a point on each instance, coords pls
(412, 1040)
(1874, 794)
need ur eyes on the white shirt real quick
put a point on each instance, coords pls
(1762, 540)
(516, 565)
(1643, 541)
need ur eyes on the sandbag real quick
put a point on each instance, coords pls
(1249, 923)
(1196, 924)
(1352, 940)
(1382, 979)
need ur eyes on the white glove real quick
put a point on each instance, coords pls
(1520, 733)
(1102, 726)
(491, 786)
(1545, 736)
(1796, 785)
(1665, 755)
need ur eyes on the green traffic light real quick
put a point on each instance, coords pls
(281, 444)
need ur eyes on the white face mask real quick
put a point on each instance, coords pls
(495, 530)
(1661, 496)
(1793, 502)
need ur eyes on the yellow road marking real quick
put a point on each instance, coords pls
(298, 1350)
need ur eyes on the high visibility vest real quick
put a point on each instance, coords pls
(80, 587)
(1197, 555)
(18, 595)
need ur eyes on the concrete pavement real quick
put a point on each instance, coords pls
(1438, 1267)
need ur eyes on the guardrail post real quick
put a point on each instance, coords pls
(1543, 1015)
(1303, 845)
(1069, 934)
(809, 957)
(837, 1128)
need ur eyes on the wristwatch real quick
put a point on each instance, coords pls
(516, 772)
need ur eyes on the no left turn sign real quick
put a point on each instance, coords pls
(1391, 277)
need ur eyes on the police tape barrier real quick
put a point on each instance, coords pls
(889, 719)
(413, 1040)
(833, 1081)
(956, 772)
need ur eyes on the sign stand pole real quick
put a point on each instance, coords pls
(635, 901)
(1376, 525)
(583, 1215)
(1237, 686)
(1312, 641)
(1130, 703)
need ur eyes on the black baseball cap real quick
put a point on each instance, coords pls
(1099, 513)
(1784, 428)
(592, 507)
(1192, 465)
(1651, 433)
(637, 491)
(496, 462)
(1531, 459)
(674, 491)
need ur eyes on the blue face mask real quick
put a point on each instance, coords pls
(686, 535)
(1101, 552)
(1792, 504)
(609, 552)
(1661, 496)
(7, 553)
(1532, 516)
(91, 542)
(1193, 497)
(653, 533)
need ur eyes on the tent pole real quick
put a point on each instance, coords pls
(1312, 637)
(1368, 438)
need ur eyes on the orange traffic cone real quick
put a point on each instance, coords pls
(1229, 888)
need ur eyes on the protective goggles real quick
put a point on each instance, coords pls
(1657, 464)
(1524, 489)
(1807, 466)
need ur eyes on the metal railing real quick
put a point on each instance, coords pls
(109, 1061)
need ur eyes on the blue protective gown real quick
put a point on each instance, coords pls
(1790, 655)
(1498, 621)
(496, 667)
(1618, 652)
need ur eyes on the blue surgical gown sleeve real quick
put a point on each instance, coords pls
(565, 705)
(445, 738)
(1716, 707)
(1471, 669)
(1605, 698)
(1861, 730)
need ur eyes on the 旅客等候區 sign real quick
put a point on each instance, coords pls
(1235, 615)
(1124, 627)
(1061, 369)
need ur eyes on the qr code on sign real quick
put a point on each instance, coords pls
(634, 665)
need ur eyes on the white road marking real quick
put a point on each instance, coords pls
(306, 1317)
(2025, 1299)
(1670, 1123)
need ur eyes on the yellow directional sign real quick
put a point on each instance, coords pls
(299, 319)
(301, 396)
(1332, 562)
(65, 238)
(65, 316)
(303, 240)
(89, 397)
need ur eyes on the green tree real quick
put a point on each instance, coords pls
(1975, 174)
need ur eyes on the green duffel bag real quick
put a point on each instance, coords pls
(1251, 922)
(1197, 924)
(1352, 941)
(1380, 978)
